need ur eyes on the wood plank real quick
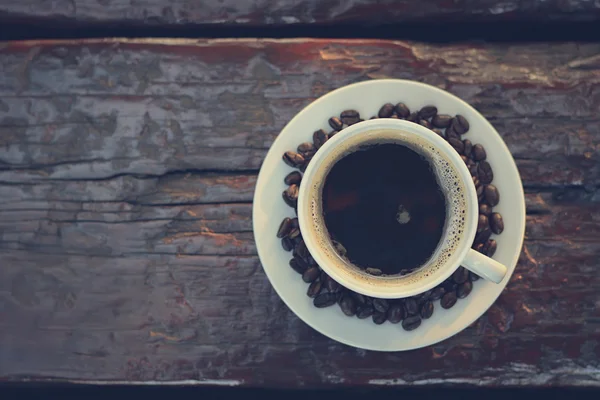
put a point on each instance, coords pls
(127, 170)
(288, 12)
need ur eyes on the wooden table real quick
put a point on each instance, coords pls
(127, 170)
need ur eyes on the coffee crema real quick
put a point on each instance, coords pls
(447, 225)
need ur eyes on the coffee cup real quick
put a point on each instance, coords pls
(460, 225)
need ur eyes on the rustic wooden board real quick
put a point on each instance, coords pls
(290, 12)
(127, 171)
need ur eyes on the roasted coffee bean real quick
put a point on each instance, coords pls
(402, 110)
(311, 274)
(379, 317)
(441, 121)
(284, 228)
(448, 300)
(295, 223)
(336, 124)
(350, 117)
(489, 248)
(496, 223)
(492, 197)
(293, 159)
(478, 247)
(360, 299)
(461, 275)
(394, 116)
(332, 285)
(482, 223)
(287, 244)
(464, 289)
(306, 148)
(437, 293)
(290, 195)
(319, 138)
(423, 296)
(363, 312)
(478, 153)
(381, 305)
(294, 233)
(474, 170)
(468, 147)
(413, 117)
(476, 181)
(332, 134)
(460, 125)
(341, 250)
(473, 276)
(439, 133)
(396, 313)
(411, 306)
(314, 289)
(486, 175)
(449, 285)
(428, 112)
(480, 195)
(450, 134)
(426, 310)
(457, 144)
(348, 305)
(386, 110)
(325, 300)
(483, 236)
(298, 265)
(464, 158)
(485, 209)
(301, 250)
(411, 323)
(293, 178)
(470, 163)
(425, 123)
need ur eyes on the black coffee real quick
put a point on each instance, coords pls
(384, 205)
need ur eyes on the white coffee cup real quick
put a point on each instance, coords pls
(462, 212)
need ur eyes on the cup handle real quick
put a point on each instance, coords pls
(485, 267)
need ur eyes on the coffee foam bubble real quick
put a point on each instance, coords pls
(448, 179)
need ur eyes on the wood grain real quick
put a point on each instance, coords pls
(288, 12)
(127, 170)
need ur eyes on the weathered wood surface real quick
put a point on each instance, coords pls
(126, 178)
(288, 12)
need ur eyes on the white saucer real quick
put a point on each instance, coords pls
(269, 209)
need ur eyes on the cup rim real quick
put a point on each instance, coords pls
(304, 215)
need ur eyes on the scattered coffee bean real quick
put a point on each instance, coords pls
(427, 310)
(381, 305)
(411, 323)
(293, 159)
(402, 110)
(298, 265)
(306, 148)
(496, 223)
(413, 117)
(293, 178)
(333, 133)
(301, 250)
(360, 299)
(394, 116)
(450, 134)
(476, 181)
(336, 124)
(319, 138)
(448, 300)
(473, 276)
(287, 244)
(437, 293)
(325, 300)
(284, 228)
(290, 195)
(480, 194)
(482, 223)
(314, 289)
(464, 289)
(441, 121)
(294, 233)
(486, 175)
(439, 133)
(460, 125)
(428, 112)
(350, 117)
(457, 144)
(396, 313)
(483, 236)
(311, 274)
(331, 285)
(474, 170)
(423, 296)
(461, 275)
(489, 248)
(468, 147)
(478, 247)
(363, 312)
(348, 306)
(411, 306)
(425, 123)
(379, 317)
(449, 285)
(485, 209)
(386, 110)
(492, 197)
(478, 152)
